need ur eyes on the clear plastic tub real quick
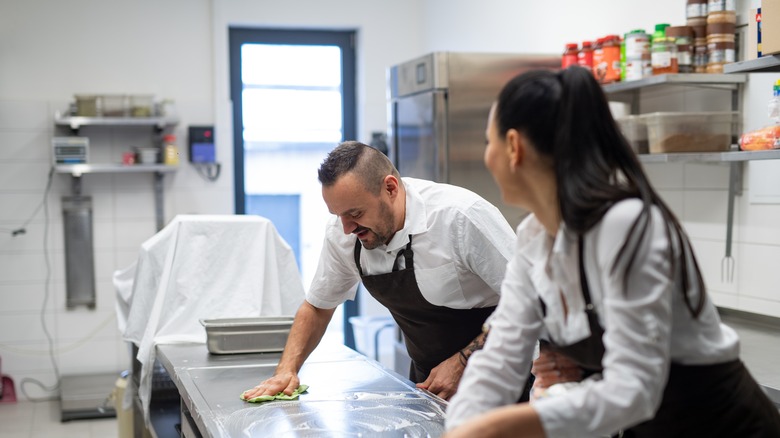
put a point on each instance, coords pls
(634, 129)
(368, 331)
(670, 132)
(141, 105)
(114, 105)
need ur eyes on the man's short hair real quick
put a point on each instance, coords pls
(369, 164)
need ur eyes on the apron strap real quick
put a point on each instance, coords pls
(406, 252)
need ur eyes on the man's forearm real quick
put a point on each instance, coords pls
(305, 334)
(477, 344)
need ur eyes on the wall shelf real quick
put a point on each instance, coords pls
(75, 122)
(722, 81)
(80, 169)
(765, 64)
(711, 157)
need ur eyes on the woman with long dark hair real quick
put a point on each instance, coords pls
(604, 273)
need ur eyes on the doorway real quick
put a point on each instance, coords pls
(293, 96)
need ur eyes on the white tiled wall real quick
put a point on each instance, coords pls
(698, 194)
(83, 340)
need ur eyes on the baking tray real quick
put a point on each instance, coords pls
(262, 334)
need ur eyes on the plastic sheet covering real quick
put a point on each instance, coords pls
(202, 267)
(389, 415)
(349, 395)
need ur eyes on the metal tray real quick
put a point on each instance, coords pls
(262, 334)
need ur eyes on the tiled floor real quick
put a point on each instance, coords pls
(26, 419)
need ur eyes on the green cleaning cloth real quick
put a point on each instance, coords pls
(280, 396)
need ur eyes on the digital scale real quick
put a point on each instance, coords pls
(70, 150)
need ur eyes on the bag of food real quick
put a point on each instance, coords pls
(761, 139)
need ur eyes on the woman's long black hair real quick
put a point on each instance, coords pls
(566, 116)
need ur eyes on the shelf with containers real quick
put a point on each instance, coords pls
(75, 124)
(765, 64)
(630, 93)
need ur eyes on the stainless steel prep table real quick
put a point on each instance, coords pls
(349, 395)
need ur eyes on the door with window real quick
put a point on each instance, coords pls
(293, 95)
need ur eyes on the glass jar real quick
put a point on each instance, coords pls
(569, 56)
(683, 39)
(721, 5)
(585, 55)
(664, 56)
(696, 9)
(606, 60)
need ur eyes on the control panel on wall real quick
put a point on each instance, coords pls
(202, 147)
(203, 151)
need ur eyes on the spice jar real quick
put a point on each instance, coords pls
(637, 55)
(700, 57)
(664, 56)
(683, 39)
(720, 5)
(606, 59)
(569, 56)
(722, 17)
(720, 53)
(585, 55)
(696, 9)
(699, 26)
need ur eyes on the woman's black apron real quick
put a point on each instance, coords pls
(432, 333)
(720, 400)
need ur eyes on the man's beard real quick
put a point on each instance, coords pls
(380, 236)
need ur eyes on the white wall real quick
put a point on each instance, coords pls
(697, 192)
(50, 50)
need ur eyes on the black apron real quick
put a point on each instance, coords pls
(432, 333)
(719, 400)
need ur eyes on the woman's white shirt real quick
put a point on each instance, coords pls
(647, 326)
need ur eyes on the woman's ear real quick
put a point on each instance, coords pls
(515, 148)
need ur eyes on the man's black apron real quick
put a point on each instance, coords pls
(720, 400)
(432, 333)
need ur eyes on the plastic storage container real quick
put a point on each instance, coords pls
(114, 105)
(147, 155)
(691, 131)
(262, 334)
(141, 105)
(634, 129)
(87, 105)
(368, 331)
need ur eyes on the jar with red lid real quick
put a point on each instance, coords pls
(585, 55)
(570, 55)
(606, 60)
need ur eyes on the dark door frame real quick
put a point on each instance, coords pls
(345, 39)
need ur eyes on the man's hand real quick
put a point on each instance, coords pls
(443, 380)
(551, 368)
(285, 382)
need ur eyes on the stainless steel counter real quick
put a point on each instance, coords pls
(349, 395)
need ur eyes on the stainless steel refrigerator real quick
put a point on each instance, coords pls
(438, 110)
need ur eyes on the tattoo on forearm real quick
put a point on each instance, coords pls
(477, 344)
